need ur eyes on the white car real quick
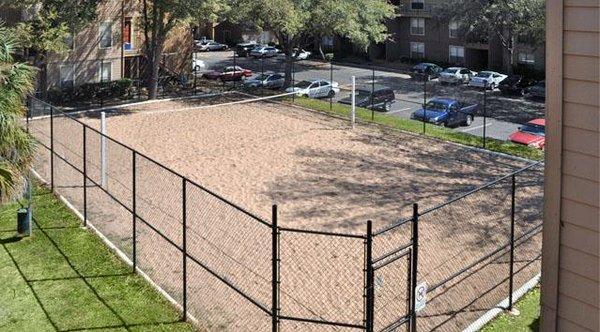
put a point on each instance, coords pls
(489, 79)
(210, 45)
(315, 89)
(263, 52)
(301, 54)
(198, 65)
(456, 75)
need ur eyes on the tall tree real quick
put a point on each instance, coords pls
(504, 20)
(16, 146)
(361, 21)
(50, 24)
(159, 18)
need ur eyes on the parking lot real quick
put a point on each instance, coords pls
(504, 114)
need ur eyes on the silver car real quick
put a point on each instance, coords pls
(210, 45)
(269, 81)
(456, 75)
(315, 89)
(263, 52)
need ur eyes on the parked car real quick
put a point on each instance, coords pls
(263, 52)
(315, 88)
(515, 85)
(269, 81)
(446, 112)
(532, 134)
(300, 54)
(426, 70)
(198, 65)
(244, 49)
(456, 75)
(488, 79)
(537, 91)
(381, 98)
(210, 45)
(230, 73)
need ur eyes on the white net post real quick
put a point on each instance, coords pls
(353, 111)
(103, 170)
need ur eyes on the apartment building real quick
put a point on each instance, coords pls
(111, 47)
(417, 33)
(571, 235)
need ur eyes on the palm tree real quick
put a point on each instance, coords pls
(16, 145)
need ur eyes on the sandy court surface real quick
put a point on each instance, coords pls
(323, 176)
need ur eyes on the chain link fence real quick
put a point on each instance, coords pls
(232, 270)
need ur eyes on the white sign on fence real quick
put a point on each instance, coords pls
(420, 296)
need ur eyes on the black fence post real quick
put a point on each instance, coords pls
(425, 79)
(293, 80)
(133, 209)
(262, 73)
(27, 114)
(84, 176)
(512, 243)
(331, 80)
(484, 111)
(414, 267)
(52, 148)
(274, 271)
(234, 78)
(184, 245)
(370, 282)
(372, 92)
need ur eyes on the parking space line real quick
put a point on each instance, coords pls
(474, 128)
(397, 111)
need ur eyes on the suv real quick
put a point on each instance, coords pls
(244, 49)
(426, 71)
(515, 85)
(380, 99)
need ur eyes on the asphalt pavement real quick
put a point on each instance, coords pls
(504, 114)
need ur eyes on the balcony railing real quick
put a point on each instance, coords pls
(415, 9)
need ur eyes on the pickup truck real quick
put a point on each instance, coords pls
(446, 112)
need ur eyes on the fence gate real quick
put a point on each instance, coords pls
(392, 284)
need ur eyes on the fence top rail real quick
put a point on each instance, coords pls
(315, 232)
(192, 182)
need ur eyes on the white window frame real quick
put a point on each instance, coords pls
(102, 64)
(100, 34)
(529, 58)
(450, 29)
(417, 19)
(70, 74)
(450, 56)
(422, 55)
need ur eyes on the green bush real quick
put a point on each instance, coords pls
(90, 92)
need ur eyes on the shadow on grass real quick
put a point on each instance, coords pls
(81, 288)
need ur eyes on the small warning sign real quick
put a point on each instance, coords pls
(420, 296)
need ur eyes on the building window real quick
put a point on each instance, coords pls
(127, 34)
(105, 35)
(453, 29)
(417, 4)
(105, 71)
(417, 26)
(526, 58)
(417, 50)
(457, 54)
(67, 76)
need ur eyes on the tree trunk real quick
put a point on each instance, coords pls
(289, 62)
(155, 53)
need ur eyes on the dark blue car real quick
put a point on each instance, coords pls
(446, 112)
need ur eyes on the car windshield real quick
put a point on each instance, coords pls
(541, 84)
(436, 105)
(303, 84)
(483, 74)
(512, 79)
(261, 77)
(364, 93)
(450, 71)
(533, 129)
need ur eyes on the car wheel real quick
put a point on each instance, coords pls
(331, 93)
(197, 69)
(305, 95)
(492, 86)
(469, 120)
(387, 107)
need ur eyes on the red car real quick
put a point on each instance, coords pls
(531, 134)
(230, 73)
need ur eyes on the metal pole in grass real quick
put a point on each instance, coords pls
(274, 271)
(84, 176)
(512, 244)
(234, 70)
(103, 166)
(133, 208)
(484, 111)
(413, 267)
(353, 107)
(52, 148)
(372, 92)
(370, 282)
(293, 80)
(331, 80)
(184, 245)
(425, 79)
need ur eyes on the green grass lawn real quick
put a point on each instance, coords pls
(417, 127)
(527, 320)
(63, 278)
